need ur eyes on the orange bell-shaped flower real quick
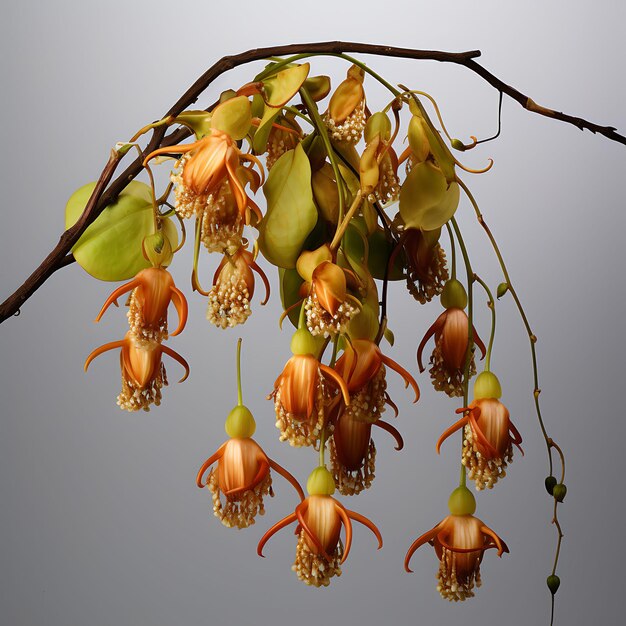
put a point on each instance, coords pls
(460, 541)
(143, 373)
(362, 366)
(152, 291)
(319, 553)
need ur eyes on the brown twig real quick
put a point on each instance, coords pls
(103, 195)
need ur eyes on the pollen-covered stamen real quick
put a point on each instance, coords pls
(351, 128)
(222, 224)
(426, 280)
(351, 481)
(321, 322)
(297, 431)
(485, 472)
(388, 188)
(368, 403)
(314, 569)
(445, 378)
(450, 585)
(229, 299)
(241, 507)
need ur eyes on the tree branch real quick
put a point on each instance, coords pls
(103, 195)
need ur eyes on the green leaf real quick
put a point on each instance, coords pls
(290, 282)
(291, 213)
(110, 248)
(427, 201)
(233, 117)
(278, 91)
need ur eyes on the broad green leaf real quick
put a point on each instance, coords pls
(284, 86)
(233, 116)
(110, 248)
(279, 90)
(426, 199)
(291, 213)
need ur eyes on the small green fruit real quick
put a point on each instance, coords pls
(553, 582)
(550, 484)
(559, 492)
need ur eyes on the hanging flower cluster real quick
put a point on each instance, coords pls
(343, 222)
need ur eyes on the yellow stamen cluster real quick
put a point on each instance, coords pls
(222, 226)
(241, 509)
(484, 472)
(137, 323)
(229, 301)
(352, 482)
(320, 322)
(301, 433)
(351, 129)
(133, 399)
(314, 569)
(449, 586)
(187, 202)
(425, 287)
(368, 403)
(446, 379)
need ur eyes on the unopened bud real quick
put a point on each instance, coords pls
(550, 483)
(502, 289)
(553, 582)
(559, 491)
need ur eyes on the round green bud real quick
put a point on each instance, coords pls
(487, 385)
(559, 492)
(453, 295)
(550, 484)
(157, 249)
(240, 423)
(462, 502)
(320, 482)
(457, 144)
(502, 289)
(303, 342)
(553, 582)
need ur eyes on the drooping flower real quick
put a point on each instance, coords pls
(222, 224)
(353, 453)
(242, 477)
(345, 117)
(362, 366)
(329, 307)
(233, 288)
(319, 552)
(378, 167)
(426, 264)
(152, 291)
(460, 541)
(204, 166)
(451, 331)
(489, 434)
(301, 393)
(143, 373)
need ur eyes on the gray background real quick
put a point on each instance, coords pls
(101, 522)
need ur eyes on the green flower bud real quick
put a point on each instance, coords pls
(487, 385)
(550, 483)
(453, 295)
(157, 249)
(553, 582)
(240, 423)
(457, 144)
(559, 492)
(502, 289)
(303, 342)
(320, 482)
(462, 502)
